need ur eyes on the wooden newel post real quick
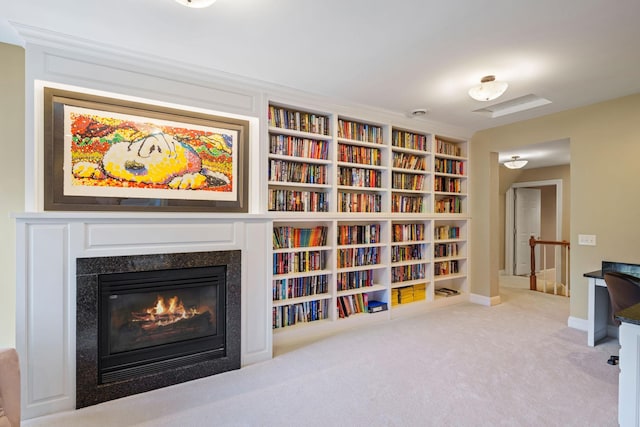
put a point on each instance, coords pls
(532, 278)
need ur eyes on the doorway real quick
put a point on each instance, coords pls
(529, 210)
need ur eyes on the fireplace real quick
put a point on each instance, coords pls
(149, 321)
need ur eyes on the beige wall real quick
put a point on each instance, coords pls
(12, 107)
(605, 184)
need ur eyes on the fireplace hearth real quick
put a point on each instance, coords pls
(150, 321)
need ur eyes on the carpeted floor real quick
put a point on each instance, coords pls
(515, 364)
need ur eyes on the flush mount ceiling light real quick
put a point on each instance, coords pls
(515, 163)
(196, 4)
(419, 112)
(488, 89)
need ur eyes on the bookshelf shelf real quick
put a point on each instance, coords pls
(408, 283)
(302, 185)
(408, 262)
(354, 188)
(361, 268)
(292, 132)
(296, 300)
(367, 289)
(310, 160)
(441, 277)
(295, 274)
(302, 249)
(361, 166)
(393, 202)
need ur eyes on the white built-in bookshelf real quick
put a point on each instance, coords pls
(364, 213)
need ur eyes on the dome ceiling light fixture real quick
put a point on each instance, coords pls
(488, 89)
(196, 4)
(515, 163)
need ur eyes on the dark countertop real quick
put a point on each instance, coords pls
(594, 274)
(630, 315)
(622, 267)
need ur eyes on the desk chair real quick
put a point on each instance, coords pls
(624, 291)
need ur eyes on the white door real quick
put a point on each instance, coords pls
(527, 224)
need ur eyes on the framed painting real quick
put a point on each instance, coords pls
(108, 154)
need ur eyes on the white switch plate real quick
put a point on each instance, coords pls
(587, 239)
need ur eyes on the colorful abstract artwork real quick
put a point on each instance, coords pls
(109, 154)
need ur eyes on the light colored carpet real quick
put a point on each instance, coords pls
(515, 364)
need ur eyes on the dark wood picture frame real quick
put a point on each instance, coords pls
(55, 198)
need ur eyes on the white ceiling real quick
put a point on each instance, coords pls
(541, 155)
(397, 55)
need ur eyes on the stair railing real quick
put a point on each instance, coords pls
(533, 280)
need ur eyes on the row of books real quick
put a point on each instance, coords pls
(358, 234)
(407, 204)
(361, 155)
(453, 167)
(445, 232)
(445, 250)
(355, 257)
(404, 273)
(408, 232)
(447, 184)
(359, 131)
(352, 304)
(358, 177)
(282, 200)
(407, 181)
(408, 294)
(300, 172)
(354, 279)
(294, 237)
(285, 145)
(359, 202)
(448, 205)
(448, 148)
(298, 262)
(406, 253)
(444, 268)
(413, 141)
(309, 311)
(297, 120)
(297, 287)
(409, 161)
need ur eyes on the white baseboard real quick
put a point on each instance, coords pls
(583, 325)
(578, 323)
(486, 301)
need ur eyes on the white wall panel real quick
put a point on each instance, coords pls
(47, 314)
(256, 294)
(111, 235)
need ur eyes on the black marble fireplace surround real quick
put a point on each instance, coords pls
(89, 391)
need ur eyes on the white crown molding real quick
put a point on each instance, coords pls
(9, 35)
(117, 54)
(85, 47)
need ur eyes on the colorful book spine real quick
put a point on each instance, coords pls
(292, 314)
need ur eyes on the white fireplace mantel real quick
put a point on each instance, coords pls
(48, 245)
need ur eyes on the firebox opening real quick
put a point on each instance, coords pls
(149, 321)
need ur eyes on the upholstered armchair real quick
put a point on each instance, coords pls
(9, 388)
